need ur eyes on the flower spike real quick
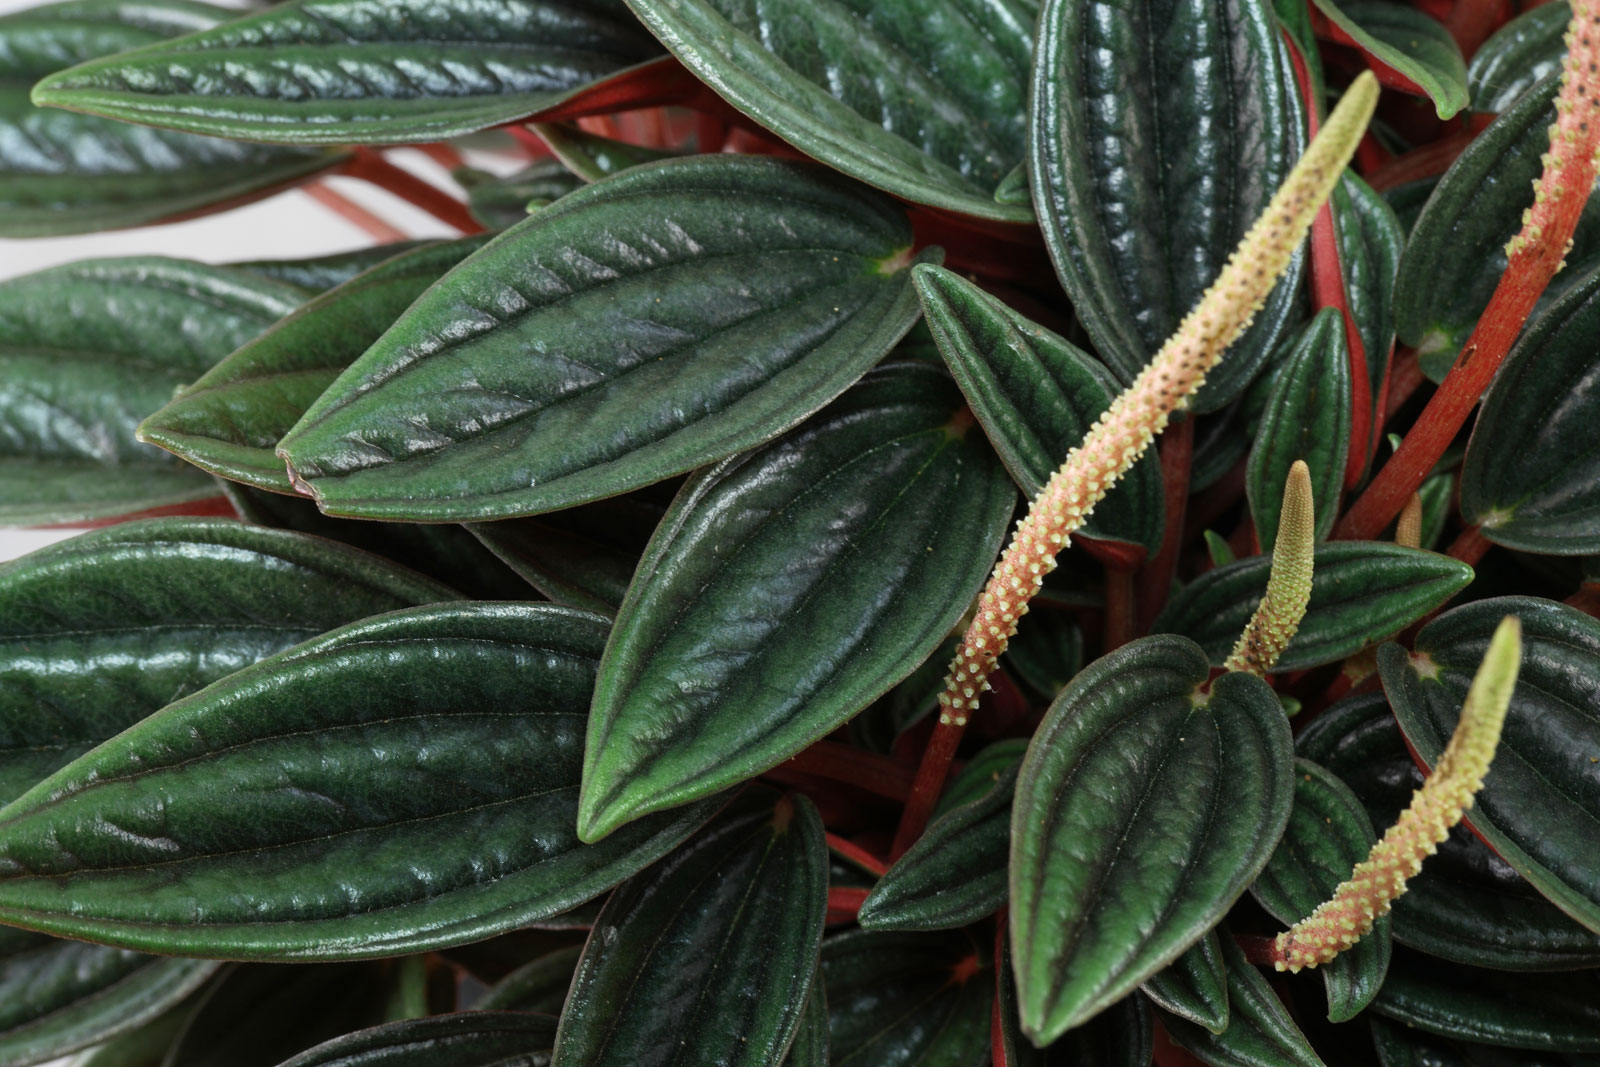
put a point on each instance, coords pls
(1278, 616)
(1123, 432)
(1441, 802)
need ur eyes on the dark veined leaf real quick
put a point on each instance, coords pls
(459, 1039)
(788, 588)
(63, 173)
(1371, 241)
(1328, 834)
(399, 784)
(89, 349)
(910, 999)
(591, 157)
(1554, 1012)
(1120, 1036)
(955, 873)
(1531, 477)
(810, 1047)
(259, 1016)
(60, 996)
(1361, 592)
(707, 957)
(1046, 653)
(1518, 56)
(879, 726)
(643, 326)
(1467, 904)
(1408, 41)
(982, 772)
(1307, 418)
(1541, 797)
(144, 1047)
(923, 98)
(1260, 1032)
(1456, 253)
(318, 274)
(539, 985)
(1143, 809)
(351, 72)
(501, 202)
(1035, 395)
(1160, 131)
(1195, 985)
(229, 422)
(1406, 1046)
(100, 630)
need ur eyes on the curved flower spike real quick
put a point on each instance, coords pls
(1278, 616)
(1441, 802)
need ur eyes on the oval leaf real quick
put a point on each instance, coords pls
(922, 98)
(644, 326)
(1361, 592)
(1260, 1032)
(459, 1039)
(1143, 810)
(915, 1000)
(788, 588)
(1035, 395)
(1541, 798)
(1518, 56)
(396, 785)
(1407, 41)
(350, 72)
(1371, 241)
(708, 956)
(1195, 985)
(1159, 134)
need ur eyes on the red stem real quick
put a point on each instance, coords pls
(352, 212)
(843, 903)
(1155, 579)
(997, 1041)
(1586, 600)
(1469, 546)
(857, 855)
(853, 766)
(1405, 378)
(371, 167)
(925, 789)
(1119, 622)
(1261, 951)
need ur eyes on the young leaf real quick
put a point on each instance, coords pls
(1195, 985)
(1260, 1032)
(1408, 41)
(1142, 811)
(922, 98)
(396, 785)
(351, 72)
(910, 999)
(789, 587)
(643, 326)
(459, 1039)
(709, 956)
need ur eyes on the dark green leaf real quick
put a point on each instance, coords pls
(1541, 798)
(1361, 592)
(1556, 1012)
(1143, 810)
(1328, 834)
(880, 725)
(1035, 395)
(1046, 653)
(1160, 131)
(321, 273)
(395, 785)
(230, 420)
(63, 173)
(1120, 1036)
(1406, 1046)
(259, 1016)
(789, 587)
(502, 202)
(1518, 56)
(1307, 418)
(100, 630)
(955, 873)
(982, 772)
(1260, 1032)
(1531, 477)
(708, 956)
(60, 996)
(1467, 905)
(1013, 188)
(912, 1000)
(89, 349)
(540, 985)
(145, 1047)
(592, 157)
(348, 71)
(1371, 241)
(644, 326)
(923, 98)
(1195, 985)
(459, 1039)
(810, 1048)
(1408, 41)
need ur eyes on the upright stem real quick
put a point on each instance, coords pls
(1155, 577)
(370, 166)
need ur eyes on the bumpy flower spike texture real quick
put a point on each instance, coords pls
(1278, 616)
(1441, 802)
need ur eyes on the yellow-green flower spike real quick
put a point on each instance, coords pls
(1408, 530)
(1123, 432)
(1441, 802)
(1278, 616)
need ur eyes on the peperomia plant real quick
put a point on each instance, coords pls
(596, 639)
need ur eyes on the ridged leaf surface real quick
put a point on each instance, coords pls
(459, 1039)
(1518, 55)
(1260, 1031)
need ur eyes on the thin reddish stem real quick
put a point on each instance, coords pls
(1405, 378)
(853, 766)
(1155, 578)
(1119, 621)
(857, 855)
(369, 166)
(444, 155)
(369, 223)
(1469, 546)
(1586, 600)
(843, 904)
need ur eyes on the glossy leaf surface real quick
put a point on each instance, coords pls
(342, 833)
(905, 998)
(349, 71)
(1260, 1032)
(501, 202)
(100, 630)
(789, 587)
(241, 1020)
(459, 1039)
(1035, 395)
(1518, 56)
(1361, 592)
(230, 420)
(1408, 41)
(645, 325)
(1371, 242)
(1195, 985)
(923, 98)
(1143, 810)
(1160, 131)
(64, 173)
(591, 157)
(1541, 797)
(708, 956)
(318, 274)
